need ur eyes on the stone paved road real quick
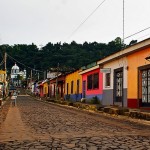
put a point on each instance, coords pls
(38, 125)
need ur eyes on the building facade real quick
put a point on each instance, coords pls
(115, 82)
(73, 86)
(57, 87)
(127, 84)
(92, 83)
(17, 75)
(139, 76)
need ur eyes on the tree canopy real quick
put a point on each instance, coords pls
(71, 55)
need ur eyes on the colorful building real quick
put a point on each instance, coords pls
(121, 79)
(73, 87)
(92, 82)
(114, 71)
(139, 75)
(17, 76)
(126, 76)
(57, 87)
(43, 88)
(3, 83)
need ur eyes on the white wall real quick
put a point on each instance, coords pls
(118, 63)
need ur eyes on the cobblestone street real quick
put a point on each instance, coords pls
(34, 124)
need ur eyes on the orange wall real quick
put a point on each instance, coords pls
(134, 61)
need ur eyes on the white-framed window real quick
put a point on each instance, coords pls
(107, 80)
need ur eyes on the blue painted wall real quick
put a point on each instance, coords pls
(73, 97)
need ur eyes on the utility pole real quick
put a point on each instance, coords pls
(31, 79)
(38, 76)
(45, 72)
(5, 56)
(123, 24)
(57, 81)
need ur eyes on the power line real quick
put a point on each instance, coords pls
(85, 20)
(137, 33)
(13, 59)
(23, 64)
(2, 62)
(143, 36)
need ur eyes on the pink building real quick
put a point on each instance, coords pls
(92, 82)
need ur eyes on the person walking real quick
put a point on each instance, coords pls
(13, 98)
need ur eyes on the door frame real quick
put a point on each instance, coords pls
(114, 86)
(84, 89)
(139, 89)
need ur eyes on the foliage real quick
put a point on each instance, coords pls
(19, 77)
(132, 42)
(71, 55)
(95, 100)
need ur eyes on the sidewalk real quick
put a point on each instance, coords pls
(112, 110)
(13, 128)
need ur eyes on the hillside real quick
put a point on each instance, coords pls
(71, 55)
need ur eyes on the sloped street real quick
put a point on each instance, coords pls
(34, 124)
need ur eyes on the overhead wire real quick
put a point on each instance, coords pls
(137, 33)
(2, 62)
(23, 64)
(76, 29)
(85, 20)
(1, 54)
(143, 36)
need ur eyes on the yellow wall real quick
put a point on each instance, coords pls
(45, 88)
(73, 77)
(2, 75)
(134, 61)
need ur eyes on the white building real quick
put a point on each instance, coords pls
(16, 74)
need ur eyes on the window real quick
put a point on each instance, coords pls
(93, 81)
(71, 87)
(107, 81)
(78, 85)
(89, 82)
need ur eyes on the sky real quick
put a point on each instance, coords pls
(43, 21)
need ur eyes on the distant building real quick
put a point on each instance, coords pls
(17, 76)
(2, 81)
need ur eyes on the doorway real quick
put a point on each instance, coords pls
(118, 87)
(84, 89)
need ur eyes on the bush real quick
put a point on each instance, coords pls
(95, 100)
